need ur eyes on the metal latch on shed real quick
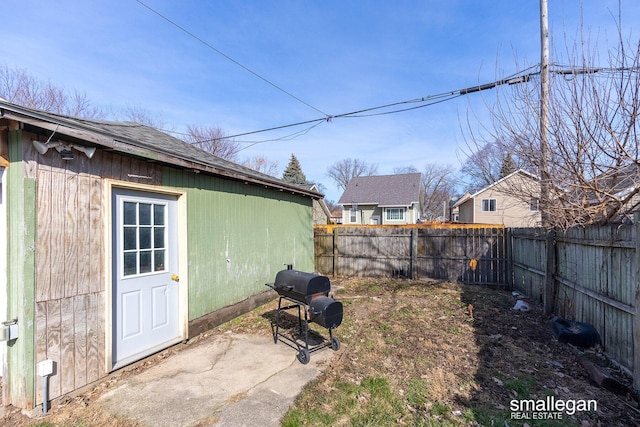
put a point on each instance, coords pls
(9, 330)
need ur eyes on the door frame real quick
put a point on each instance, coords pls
(110, 186)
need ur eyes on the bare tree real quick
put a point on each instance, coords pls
(344, 170)
(404, 169)
(438, 186)
(214, 140)
(592, 134)
(487, 162)
(262, 164)
(19, 87)
(140, 115)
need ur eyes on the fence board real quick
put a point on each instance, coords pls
(594, 277)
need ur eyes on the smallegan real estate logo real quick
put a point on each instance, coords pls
(549, 408)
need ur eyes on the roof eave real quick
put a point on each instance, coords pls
(130, 147)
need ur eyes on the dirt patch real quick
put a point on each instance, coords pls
(415, 353)
(453, 355)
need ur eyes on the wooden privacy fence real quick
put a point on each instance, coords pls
(589, 275)
(469, 253)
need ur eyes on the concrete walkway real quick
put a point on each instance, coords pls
(227, 380)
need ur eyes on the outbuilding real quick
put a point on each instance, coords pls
(118, 240)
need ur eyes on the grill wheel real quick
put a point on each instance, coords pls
(335, 343)
(304, 356)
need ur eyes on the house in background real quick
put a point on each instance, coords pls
(382, 199)
(509, 201)
(120, 241)
(321, 213)
(617, 196)
(336, 215)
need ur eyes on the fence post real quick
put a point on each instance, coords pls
(549, 282)
(506, 250)
(636, 314)
(335, 251)
(413, 252)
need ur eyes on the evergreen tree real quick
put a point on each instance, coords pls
(293, 172)
(508, 166)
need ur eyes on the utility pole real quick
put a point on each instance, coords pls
(545, 178)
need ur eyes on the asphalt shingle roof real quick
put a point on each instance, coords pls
(383, 190)
(145, 141)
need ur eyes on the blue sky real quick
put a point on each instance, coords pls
(335, 56)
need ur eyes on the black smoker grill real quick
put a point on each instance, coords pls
(311, 293)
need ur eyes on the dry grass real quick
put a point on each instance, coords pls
(414, 353)
(442, 354)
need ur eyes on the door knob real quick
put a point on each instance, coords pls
(175, 277)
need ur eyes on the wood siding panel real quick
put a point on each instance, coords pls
(44, 229)
(93, 342)
(70, 309)
(95, 244)
(80, 339)
(54, 342)
(41, 340)
(57, 226)
(70, 227)
(67, 361)
(83, 235)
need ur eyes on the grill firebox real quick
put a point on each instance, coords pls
(309, 293)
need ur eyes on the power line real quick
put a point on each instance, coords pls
(181, 28)
(517, 78)
(283, 138)
(426, 101)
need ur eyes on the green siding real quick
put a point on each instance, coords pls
(21, 220)
(239, 236)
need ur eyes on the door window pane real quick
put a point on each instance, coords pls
(143, 238)
(130, 238)
(158, 261)
(145, 261)
(130, 264)
(130, 213)
(145, 213)
(158, 237)
(158, 214)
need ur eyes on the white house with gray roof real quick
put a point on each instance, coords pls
(382, 199)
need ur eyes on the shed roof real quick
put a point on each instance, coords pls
(142, 141)
(383, 190)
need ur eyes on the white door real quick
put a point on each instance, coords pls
(145, 275)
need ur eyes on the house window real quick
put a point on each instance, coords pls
(534, 204)
(488, 205)
(395, 214)
(353, 213)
